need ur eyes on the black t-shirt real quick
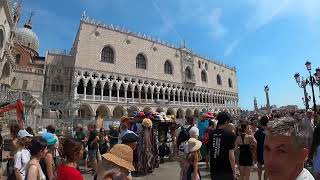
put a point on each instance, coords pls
(219, 143)
(92, 145)
(260, 135)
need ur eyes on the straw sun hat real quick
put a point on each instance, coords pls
(121, 155)
(194, 145)
(147, 122)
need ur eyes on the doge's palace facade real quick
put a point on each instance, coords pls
(113, 72)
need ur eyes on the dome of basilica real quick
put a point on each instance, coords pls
(26, 37)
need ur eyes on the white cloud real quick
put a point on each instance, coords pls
(265, 11)
(197, 13)
(217, 30)
(231, 47)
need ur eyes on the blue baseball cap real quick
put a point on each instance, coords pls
(50, 138)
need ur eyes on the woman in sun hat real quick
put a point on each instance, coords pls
(193, 157)
(47, 164)
(117, 163)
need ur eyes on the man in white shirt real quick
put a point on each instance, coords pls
(285, 150)
(22, 157)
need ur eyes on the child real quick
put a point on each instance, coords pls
(193, 157)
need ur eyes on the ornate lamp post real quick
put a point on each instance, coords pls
(303, 84)
(266, 90)
(313, 80)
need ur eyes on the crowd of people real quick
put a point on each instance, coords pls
(281, 147)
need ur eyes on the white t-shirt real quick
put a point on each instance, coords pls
(305, 175)
(21, 159)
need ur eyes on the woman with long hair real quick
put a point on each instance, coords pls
(38, 150)
(47, 164)
(193, 157)
(245, 142)
(103, 141)
(72, 151)
(315, 151)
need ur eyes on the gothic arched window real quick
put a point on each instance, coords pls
(141, 61)
(203, 76)
(219, 81)
(107, 55)
(168, 67)
(188, 73)
(230, 83)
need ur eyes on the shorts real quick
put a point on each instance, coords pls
(92, 155)
(260, 158)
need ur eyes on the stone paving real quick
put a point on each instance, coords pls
(170, 171)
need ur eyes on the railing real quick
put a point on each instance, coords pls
(28, 69)
(150, 101)
(60, 52)
(98, 98)
(89, 97)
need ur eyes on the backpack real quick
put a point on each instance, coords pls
(183, 135)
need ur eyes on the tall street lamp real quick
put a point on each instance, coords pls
(303, 84)
(266, 90)
(313, 80)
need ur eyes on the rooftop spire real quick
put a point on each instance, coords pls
(183, 44)
(29, 23)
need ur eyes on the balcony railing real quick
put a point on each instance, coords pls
(28, 69)
(129, 100)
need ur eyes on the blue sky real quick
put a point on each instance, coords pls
(266, 40)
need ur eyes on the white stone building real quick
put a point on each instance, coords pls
(8, 19)
(113, 72)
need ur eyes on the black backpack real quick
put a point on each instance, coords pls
(183, 135)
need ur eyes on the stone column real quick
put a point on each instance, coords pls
(85, 92)
(102, 93)
(178, 98)
(183, 97)
(192, 98)
(169, 96)
(93, 91)
(132, 94)
(174, 96)
(125, 94)
(145, 96)
(139, 95)
(152, 91)
(187, 97)
(158, 95)
(110, 93)
(75, 91)
(164, 95)
(118, 93)
(202, 97)
(199, 98)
